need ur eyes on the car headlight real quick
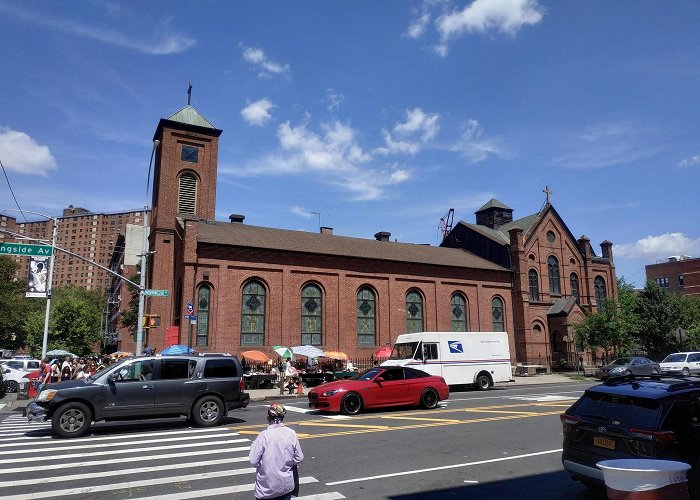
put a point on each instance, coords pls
(46, 395)
(330, 393)
(617, 369)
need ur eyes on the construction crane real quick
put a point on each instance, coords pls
(445, 225)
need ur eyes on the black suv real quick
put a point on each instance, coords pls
(655, 417)
(200, 387)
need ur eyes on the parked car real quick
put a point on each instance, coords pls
(628, 366)
(22, 363)
(681, 363)
(634, 417)
(13, 377)
(379, 387)
(201, 387)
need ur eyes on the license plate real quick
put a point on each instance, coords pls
(604, 442)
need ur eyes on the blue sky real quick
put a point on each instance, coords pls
(370, 115)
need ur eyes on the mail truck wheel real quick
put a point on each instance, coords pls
(352, 404)
(71, 420)
(483, 382)
(429, 399)
(208, 411)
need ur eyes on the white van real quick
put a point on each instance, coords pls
(479, 358)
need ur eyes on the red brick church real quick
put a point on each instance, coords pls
(255, 287)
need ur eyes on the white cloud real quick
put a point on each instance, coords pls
(20, 153)
(609, 143)
(505, 16)
(687, 162)
(418, 25)
(267, 66)
(334, 99)
(258, 112)
(299, 211)
(657, 247)
(409, 136)
(333, 156)
(473, 146)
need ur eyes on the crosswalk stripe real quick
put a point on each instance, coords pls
(226, 490)
(146, 482)
(110, 461)
(131, 450)
(139, 470)
(110, 445)
(333, 495)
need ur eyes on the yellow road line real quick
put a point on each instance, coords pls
(339, 424)
(397, 417)
(532, 413)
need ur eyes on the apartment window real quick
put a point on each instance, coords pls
(366, 319)
(311, 315)
(680, 280)
(534, 285)
(662, 282)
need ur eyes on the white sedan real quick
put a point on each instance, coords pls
(13, 377)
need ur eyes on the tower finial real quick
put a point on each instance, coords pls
(189, 94)
(547, 191)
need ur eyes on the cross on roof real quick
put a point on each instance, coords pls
(189, 94)
(547, 191)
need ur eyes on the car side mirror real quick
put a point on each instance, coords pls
(113, 377)
(379, 380)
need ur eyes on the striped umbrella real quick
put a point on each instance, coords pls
(284, 352)
(307, 350)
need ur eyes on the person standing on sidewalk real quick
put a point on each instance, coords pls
(275, 454)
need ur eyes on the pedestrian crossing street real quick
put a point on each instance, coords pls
(131, 461)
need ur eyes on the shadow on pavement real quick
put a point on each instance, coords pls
(552, 486)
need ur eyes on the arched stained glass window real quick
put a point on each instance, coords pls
(311, 315)
(573, 280)
(203, 301)
(366, 317)
(498, 321)
(253, 314)
(600, 292)
(534, 285)
(414, 312)
(458, 307)
(553, 267)
(187, 194)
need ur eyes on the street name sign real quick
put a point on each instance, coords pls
(155, 293)
(20, 249)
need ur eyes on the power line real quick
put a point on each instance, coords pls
(12, 192)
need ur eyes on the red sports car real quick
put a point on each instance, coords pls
(377, 387)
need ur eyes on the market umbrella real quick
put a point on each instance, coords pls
(307, 350)
(121, 354)
(336, 355)
(61, 353)
(255, 356)
(176, 349)
(383, 352)
(284, 352)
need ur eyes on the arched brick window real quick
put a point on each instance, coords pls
(497, 317)
(534, 285)
(414, 312)
(600, 293)
(366, 317)
(311, 315)
(553, 267)
(203, 304)
(187, 194)
(253, 314)
(573, 280)
(458, 307)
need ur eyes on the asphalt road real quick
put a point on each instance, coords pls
(501, 443)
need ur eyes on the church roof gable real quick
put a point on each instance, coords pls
(190, 116)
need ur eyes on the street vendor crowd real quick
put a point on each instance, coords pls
(67, 368)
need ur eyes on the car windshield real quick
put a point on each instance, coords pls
(621, 361)
(367, 374)
(404, 351)
(674, 358)
(98, 374)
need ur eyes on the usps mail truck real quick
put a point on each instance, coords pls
(478, 358)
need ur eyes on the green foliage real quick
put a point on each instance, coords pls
(658, 314)
(14, 305)
(689, 307)
(607, 329)
(75, 323)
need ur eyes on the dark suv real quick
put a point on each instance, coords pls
(656, 417)
(200, 387)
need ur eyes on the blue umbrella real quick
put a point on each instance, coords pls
(177, 349)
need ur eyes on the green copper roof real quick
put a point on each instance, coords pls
(494, 203)
(191, 116)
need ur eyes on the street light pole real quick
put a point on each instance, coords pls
(50, 276)
(144, 253)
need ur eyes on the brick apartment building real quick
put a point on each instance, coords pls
(255, 287)
(679, 274)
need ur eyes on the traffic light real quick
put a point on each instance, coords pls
(151, 320)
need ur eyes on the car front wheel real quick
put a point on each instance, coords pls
(71, 420)
(429, 399)
(208, 411)
(352, 404)
(11, 386)
(686, 372)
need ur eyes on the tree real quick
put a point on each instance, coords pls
(605, 329)
(658, 317)
(75, 321)
(14, 305)
(689, 306)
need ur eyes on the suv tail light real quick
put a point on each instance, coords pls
(660, 436)
(569, 419)
(241, 385)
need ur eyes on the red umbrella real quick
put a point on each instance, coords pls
(383, 352)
